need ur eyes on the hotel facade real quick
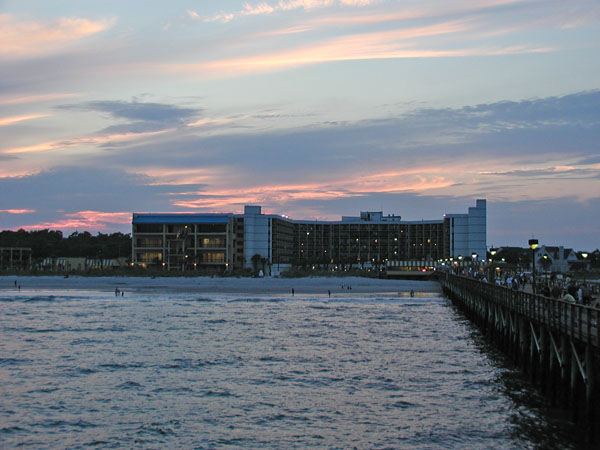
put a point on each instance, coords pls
(273, 243)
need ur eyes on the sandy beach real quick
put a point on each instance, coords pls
(254, 286)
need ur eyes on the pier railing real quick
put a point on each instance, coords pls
(579, 322)
(556, 342)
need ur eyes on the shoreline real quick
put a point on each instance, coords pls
(308, 285)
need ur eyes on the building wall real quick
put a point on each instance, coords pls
(477, 229)
(257, 235)
(183, 242)
(467, 232)
(367, 243)
(370, 239)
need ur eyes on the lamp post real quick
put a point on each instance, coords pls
(474, 262)
(493, 252)
(533, 244)
(584, 255)
(545, 263)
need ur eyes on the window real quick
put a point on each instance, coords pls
(150, 242)
(212, 257)
(149, 257)
(212, 228)
(148, 228)
(212, 242)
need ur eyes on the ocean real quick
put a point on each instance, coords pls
(83, 369)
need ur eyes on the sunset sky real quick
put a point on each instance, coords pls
(310, 108)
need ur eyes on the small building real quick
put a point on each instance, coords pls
(554, 259)
(15, 258)
(184, 241)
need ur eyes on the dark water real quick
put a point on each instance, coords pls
(86, 370)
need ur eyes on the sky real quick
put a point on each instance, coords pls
(310, 108)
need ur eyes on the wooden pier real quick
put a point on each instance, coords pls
(555, 342)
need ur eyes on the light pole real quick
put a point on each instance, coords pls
(545, 264)
(533, 244)
(584, 255)
(474, 262)
(493, 252)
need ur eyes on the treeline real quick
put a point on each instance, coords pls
(52, 243)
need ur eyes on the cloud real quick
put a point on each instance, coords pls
(85, 198)
(85, 220)
(4, 121)
(145, 120)
(33, 98)
(549, 173)
(86, 141)
(17, 211)
(138, 111)
(25, 39)
(266, 8)
(403, 43)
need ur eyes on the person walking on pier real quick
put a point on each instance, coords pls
(567, 297)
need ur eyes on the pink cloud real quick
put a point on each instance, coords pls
(85, 220)
(16, 100)
(4, 121)
(17, 211)
(24, 39)
(266, 8)
(74, 142)
(394, 44)
(421, 179)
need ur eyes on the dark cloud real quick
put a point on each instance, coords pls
(575, 109)
(550, 172)
(134, 127)
(426, 137)
(65, 190)
(138, 111)
(590, 160)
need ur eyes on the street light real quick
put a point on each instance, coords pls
(493, 252)
(533, 244)
(545, 268)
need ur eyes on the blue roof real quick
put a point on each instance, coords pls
(180, 218)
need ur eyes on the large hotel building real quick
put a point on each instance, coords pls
(226, 242)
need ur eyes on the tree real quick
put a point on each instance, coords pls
(255, 261)
(51, 243)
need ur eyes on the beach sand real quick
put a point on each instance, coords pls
(254, 286)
